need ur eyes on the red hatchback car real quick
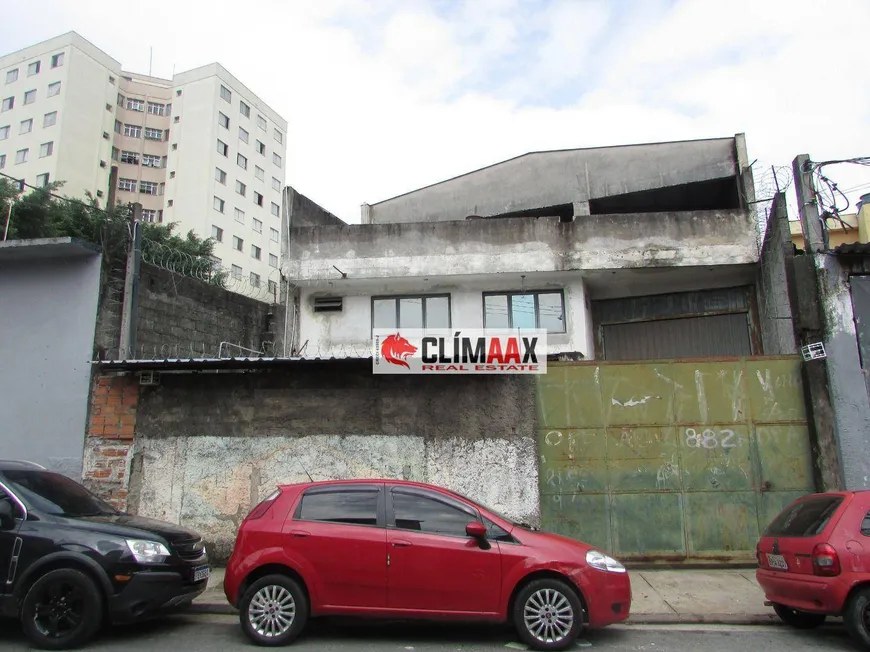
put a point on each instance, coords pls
(814, 561)
(384, 548)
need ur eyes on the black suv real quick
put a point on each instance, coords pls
(69, 561)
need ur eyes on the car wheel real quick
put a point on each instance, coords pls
(273, 611)
(857, 617)
(798, 619)
(63, 609)
(547, 615)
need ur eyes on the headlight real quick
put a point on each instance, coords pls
(147, 552)
(602, 562)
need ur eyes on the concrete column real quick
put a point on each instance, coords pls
(581, 208)
(365, 214)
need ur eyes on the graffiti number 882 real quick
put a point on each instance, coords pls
(710, 439)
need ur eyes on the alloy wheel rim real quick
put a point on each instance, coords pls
(548, 616)
(59, 610)
(272, 611)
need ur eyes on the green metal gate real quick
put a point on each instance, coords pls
(671, 460)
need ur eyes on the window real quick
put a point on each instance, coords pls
(217, 233)
(16, 509)
(57, 60)
(21, 156)
(119, 128)
(30, 97)
(156, 109)
(54, 89)
(226, 94)
(426, 513)
(177, 119)
(236, 272)
(258, 198)
(411, 312)
(134, 104)
(240, 216)
(261, 148)
(256, 252)
(258, 225)
(865, 525)
(261, 122)
(111, 80)
(116, 154)
(148, 187)
(130, 157)
(241, 161)
(153, 134)
(11, 76)
(149, 215)
(174, 146)
(169, 202)
(241, 188)
(8, 104)
(805, 518)
(279, 136)
(273, 260)
(128, 185)
(238, 243)
(255, 280)
(244, 109)
(2, 161)
(273, 287)
(223, 120)
(276, 184)
(49, 119)
(34, 68)
(273, 235)
(243, 135)
(42, 180)
(276, 210)
(542, 310)
(220, 176)
(276, 159)
(222, 148)
(153, 161)
(219, 204)
(260, 173)
(26, 126)
(348, 506)
(121, 100)
(133, 131)
(4, 132)
(46, 149)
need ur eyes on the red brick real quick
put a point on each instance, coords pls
(126, 432)
(99, 473)
(113, 452)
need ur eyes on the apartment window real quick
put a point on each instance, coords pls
(49, 119)
(134, 104)
(279, 136)
(261, 122)
(222, 148)
(172, 174)
(276, 159)
(219, 204)
(240, 216)
(242, 162)
(236, 271)
(130, 157)
(133, 131)
(273, 235)
(238, 243)
(431, 311)
(176, 119)
(2, 161)
(46, 149)
(543, 310)
(258, 225)
(8, 104)
(153, 161)
(258, 198)
(42, 180)
(217, 233)
(149, 215)
(273, 287)
(243, 135)
(156, 109)
(256, 252)
(260, 173)
(241, 188)
(21, 156)
(119, 128)
(220, 176)
(34, 68)
(108, 107)
(226, 94)
(116, 154)
(4, 132)
(273, 260)
(255, 279)
(129, 185)
(30, 97)
(276, 184)
(261, 148)
(174, 147)
(244, 109)
(121, 100)
(276, 210)
(153, 134)
(223, 120)
(54, 89)
(148, 187)
(11, 76)
(57, 60)
(111, 80)
(26, 126)
(178, 93)
(169, 202)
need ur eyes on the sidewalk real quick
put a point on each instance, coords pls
(730, 597)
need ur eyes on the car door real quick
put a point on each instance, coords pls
(339, 531)
(432, 564)
(10, 543)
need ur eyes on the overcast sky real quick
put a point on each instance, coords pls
(385, 96)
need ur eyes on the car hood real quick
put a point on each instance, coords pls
(129, 526)
(556, 544)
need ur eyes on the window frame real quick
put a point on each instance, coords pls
(57, 60)
(398, 297)
(362, 487)
(16, 500)
(512, 293)
(434, 496)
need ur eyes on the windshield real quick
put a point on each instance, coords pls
(56, 494)
(480, 505)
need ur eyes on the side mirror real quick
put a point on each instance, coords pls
(476, 529)
(7, 517)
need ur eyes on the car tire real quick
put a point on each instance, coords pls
(265, 607)
(542, 608)
(62, 610)
(856, 617)
(798, 619)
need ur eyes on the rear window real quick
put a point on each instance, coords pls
(806, 518)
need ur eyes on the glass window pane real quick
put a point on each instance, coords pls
(410, 313)
(495, 311)
(804, 519)
(550, 312)
(437, 312)
(384, 313)
(353, 507)
(523, 311)
(425, 515)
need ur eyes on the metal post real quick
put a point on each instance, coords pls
(127, 343)
(815, 238)
(8, 219)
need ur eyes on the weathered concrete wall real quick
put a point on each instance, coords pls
(301, 211)
(209, 447)
(774, 305)
(543, 179)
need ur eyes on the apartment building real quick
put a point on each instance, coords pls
(200, 149)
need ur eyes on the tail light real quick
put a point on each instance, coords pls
(759, 555)
(263, 507)
(826, 561)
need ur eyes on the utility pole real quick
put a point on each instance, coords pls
(815, 236)
(129, 308)
(9, 209)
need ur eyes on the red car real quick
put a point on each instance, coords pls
(384, 548)
(814, 561)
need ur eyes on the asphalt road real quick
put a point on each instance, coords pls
(201, 633)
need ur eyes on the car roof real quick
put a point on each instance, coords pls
(20, 465)
(406, 483)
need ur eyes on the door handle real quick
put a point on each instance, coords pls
(401, 543)
(299, 533)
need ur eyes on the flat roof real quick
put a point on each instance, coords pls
(44, 248)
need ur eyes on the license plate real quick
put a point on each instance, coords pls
(777, 562)
(201, 573)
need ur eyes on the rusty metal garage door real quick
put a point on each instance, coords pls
(672, 460)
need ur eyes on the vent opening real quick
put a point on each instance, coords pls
(327, 304)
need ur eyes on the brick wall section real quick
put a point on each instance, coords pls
(109, 444)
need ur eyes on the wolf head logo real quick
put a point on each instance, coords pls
(396, 348)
